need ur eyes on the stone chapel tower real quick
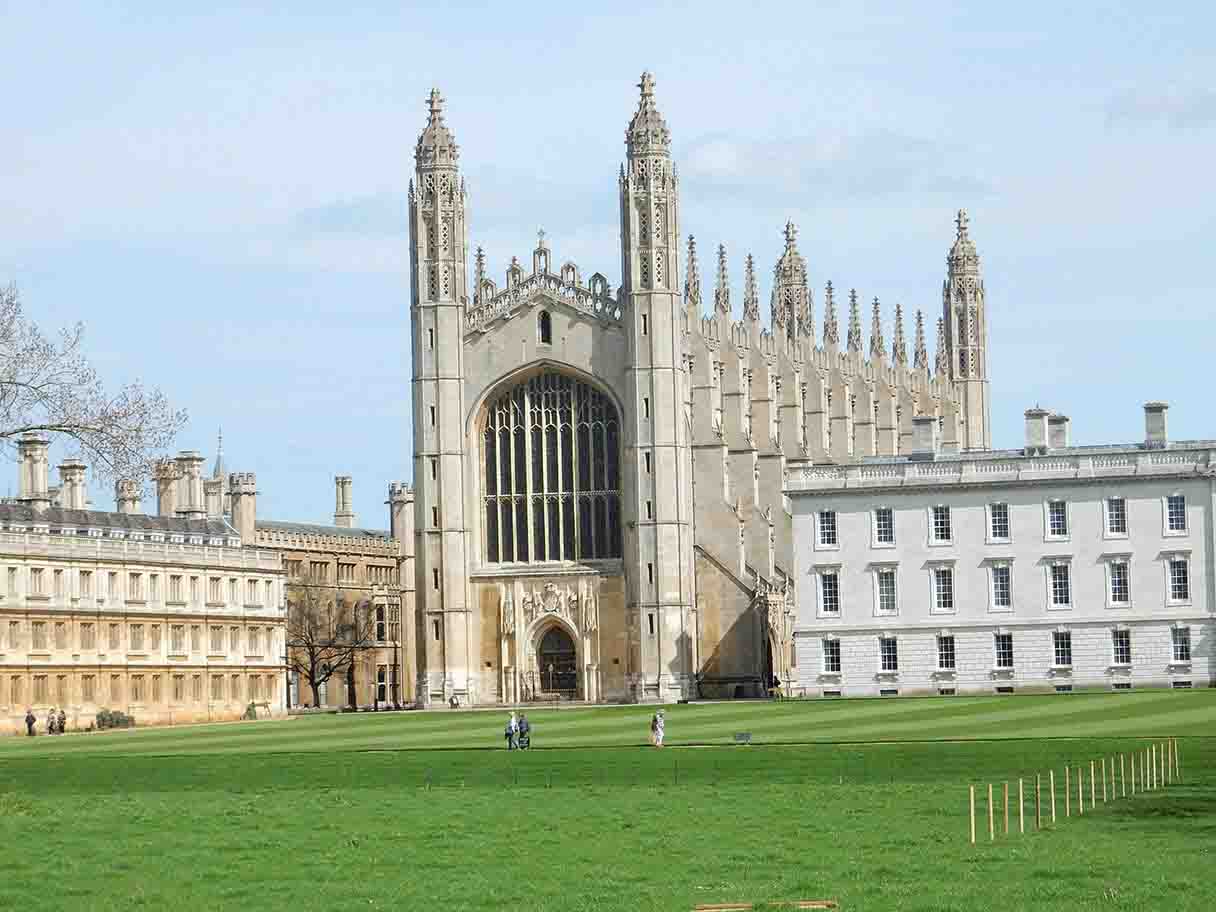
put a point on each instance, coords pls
(966, 324)
(657, 500)
(437, 314)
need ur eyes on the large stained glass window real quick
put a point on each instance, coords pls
(551, 482)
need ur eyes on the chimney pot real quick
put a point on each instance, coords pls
(1057, 431)
(924, 436)
(1156, 435)
(1036, 431)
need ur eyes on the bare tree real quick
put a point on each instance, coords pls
(48, 385)
(326, 629)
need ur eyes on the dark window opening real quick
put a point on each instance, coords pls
(544, 327)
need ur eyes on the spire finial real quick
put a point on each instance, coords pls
(854, 322)
(941, 365)
(791, 235)
(831, 329)
(920, 355)
(899, 351)
(647, 86)
(878, 346)
(692, 278)
(540, 237)
(435, 104)
(751, 298)
(961, 223)
(722, 289)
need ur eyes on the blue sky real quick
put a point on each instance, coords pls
(219, 192)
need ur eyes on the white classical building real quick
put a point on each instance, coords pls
(170, 618)
(1049, 568)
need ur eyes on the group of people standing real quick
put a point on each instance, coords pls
(518, 732)
(56, 723)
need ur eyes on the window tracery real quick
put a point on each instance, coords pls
(551, 473)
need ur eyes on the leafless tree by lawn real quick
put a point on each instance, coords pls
(326, 629)
(47, 385)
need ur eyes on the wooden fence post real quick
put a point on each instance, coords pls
(1123, 774)
(1092, 786)
(1152, 755)
(1005, 789)
(1165, 776)
(991, 816)
(1104, 780)
(1067, 794)
(1038, 801)
(1177, 762)
(1021, 808)
(972, 790)
(1080, 790)
(1053, 796)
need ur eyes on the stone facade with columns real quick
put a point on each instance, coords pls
(599, 471)
(1049, 568)
(170, 618)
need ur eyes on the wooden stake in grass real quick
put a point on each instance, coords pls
(1169, 761)
(1080, 790)
(1067, 794)
(991, 817)
(1152, 760)
(1053, 797)
(1038, 801)
(1177, 762)
(1021, 808)
(1165, 778)
(1104, 780)
(972, 790)
(1123, 775)
(1092, 786)
(1006, 790)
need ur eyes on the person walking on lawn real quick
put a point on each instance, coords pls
(30, 721)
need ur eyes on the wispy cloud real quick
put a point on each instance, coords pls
(376, 215)
(1181, 110)
(866, 166)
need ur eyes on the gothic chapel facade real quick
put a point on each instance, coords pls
(599, 508)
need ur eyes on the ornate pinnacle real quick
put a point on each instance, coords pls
(692, 281)
(878, 346)
(722, 289)
(751, 298)
(647, 133)
(791, 235)
(920, 355)
(435, 105)
(941, 365)
(961, 224)
(479, 273)
(854, 340)
(831, 331)
(436, 144)
(899, 351)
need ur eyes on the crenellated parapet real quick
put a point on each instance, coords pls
(490, 304)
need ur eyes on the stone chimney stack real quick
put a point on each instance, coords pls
(213, 496)
(924, 436)
(72, 486)
(243, 486)
(1036, 431)
(1057, 431)
(401, 516)
(126, 495)
(190, 485)
(344, 513)
(166, 477)
(1156, 435)
(33, 484)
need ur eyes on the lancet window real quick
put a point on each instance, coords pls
(551, 463)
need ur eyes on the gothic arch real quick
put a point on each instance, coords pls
(549, 448)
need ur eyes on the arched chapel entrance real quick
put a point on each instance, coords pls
(557, 662)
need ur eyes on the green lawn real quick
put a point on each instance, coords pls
(863, 801)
